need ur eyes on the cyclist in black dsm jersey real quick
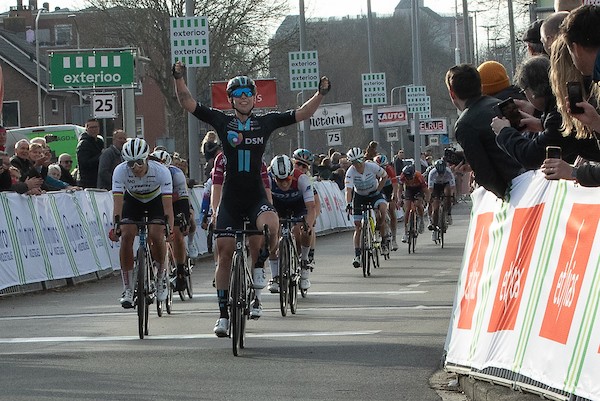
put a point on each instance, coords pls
(244, 136)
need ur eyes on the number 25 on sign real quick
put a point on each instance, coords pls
(104, 105)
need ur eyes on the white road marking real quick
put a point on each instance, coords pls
(79, 339)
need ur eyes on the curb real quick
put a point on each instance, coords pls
(478, 390)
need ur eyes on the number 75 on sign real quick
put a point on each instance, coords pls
(334, 137)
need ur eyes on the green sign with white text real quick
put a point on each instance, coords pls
(89, 69)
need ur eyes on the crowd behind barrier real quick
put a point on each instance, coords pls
(526, 308)
(63, 235)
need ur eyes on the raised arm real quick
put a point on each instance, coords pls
(183, 94)
(305, 111)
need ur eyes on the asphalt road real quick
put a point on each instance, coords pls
(353, 338)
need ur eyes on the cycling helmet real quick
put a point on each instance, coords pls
(381, 160)
(281, 167)
(409, 171)
(163, 156)
(304, 156)
(440, 166)
(355, 154)
(240, 81)
(135, 149)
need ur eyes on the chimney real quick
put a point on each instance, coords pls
(33, 4)
(46, 6)
(19, 4)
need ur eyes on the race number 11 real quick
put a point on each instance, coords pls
(104, 105)
(334, 137)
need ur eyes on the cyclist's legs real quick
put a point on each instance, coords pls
(392, 212)
(158, 248)
(381, 206)
(448, 199)
(408, 203)
(128, 233)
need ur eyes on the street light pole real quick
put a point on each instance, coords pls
(303, 124)
(369, 41)
(74, 18)
(37, 59)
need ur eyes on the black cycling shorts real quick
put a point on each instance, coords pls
(134, 210)
(232, 212)
(181, 206)
(438, 190)
(387, 192)
(413, 193)
(360, 200)
(290, 209)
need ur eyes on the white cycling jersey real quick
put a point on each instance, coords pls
(437, 178)
(156, 182)
(367, 182)
(180, 189)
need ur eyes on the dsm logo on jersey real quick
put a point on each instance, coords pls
(254, 141)
(234, 138)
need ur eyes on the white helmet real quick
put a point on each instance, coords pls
(163, 156)
(281, 167)
(135, 149)
(355, 154)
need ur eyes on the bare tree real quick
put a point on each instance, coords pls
(239, 31)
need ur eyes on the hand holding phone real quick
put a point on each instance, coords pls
(575, 94)
(553, 152)
(508, 108)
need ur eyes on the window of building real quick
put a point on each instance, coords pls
(11, 114)
(54, 102)
(139, 127)
(63, 34)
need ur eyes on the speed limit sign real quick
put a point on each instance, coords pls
(334, 137)
(104, 105)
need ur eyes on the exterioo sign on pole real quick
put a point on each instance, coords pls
(189, 41)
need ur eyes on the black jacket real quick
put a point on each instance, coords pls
(24, 165)
(494, 169)
(588, 175)
(88, 157)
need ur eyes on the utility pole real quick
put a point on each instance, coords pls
(370, 40)
(193, 126)
(303, 124)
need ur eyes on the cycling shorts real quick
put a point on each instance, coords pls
(290, 209)
(134, 210)
(413, 193)
(233, 211)
(181, 206)
(360, 200)
(387, 192)
(438, 190)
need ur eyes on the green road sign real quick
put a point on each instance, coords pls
(88, 69)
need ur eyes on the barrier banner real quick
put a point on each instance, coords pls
(333, 204)
(528, 292)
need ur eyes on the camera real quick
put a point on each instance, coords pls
(508, 108)
(451, 156)
(575, 93)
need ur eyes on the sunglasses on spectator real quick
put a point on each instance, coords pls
(132, 163)
(242, 91)
(67, 161)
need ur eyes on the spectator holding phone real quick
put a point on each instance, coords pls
(493, 168)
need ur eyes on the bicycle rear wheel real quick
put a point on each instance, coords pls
(237, 302)
(442, 223)
(141, 292)
(412, 224)
(295, 282)
(284, 275)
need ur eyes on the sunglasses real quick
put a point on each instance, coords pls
(283, 179)
(67, 161)
(242, 91)
(298, 164)
(132, 163)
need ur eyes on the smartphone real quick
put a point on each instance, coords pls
(575, 93)
(553, 152)
(508, 108)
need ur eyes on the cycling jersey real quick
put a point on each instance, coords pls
(416, 182)
(292, 202)
(156, 182)
(218, 172)
(391, 173)
(437, 178)
(180, 189)
(367, 182)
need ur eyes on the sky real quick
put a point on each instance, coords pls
(313, 8)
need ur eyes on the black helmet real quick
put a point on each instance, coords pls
(409, 171)
(240, 81)
(440, 166)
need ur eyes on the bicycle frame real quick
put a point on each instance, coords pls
(289, 266)
(369, 245)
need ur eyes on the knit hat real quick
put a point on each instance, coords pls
(532, 34)
(493, 77)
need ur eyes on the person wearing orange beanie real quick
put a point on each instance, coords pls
(495, 81)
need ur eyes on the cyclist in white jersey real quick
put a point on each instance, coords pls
(183, 212)
(366, 180)
(440, 182)
(141, 185)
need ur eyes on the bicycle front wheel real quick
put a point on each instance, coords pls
(237, 302)
(188, 278)
(364, 246)
(141, 292)
(442, 223)
(294, 283)
(284, 275)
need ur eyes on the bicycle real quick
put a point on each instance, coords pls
(241, 285)
(183, 225)
(143, 272)
(441, 223)
(370, 248)
(289, 266)
(413, 229)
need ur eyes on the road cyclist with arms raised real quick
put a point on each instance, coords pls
(140, 185)
(244, 136)
(293, 197)
(364, 182)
